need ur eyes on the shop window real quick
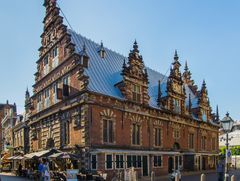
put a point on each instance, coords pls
(134, 161)
(157, 161)
(119, 161)
(109, 162)
(94, 162)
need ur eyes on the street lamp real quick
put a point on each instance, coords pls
(227, 124)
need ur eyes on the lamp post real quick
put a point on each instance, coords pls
(227, 124)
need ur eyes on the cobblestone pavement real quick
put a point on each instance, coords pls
(209, 177)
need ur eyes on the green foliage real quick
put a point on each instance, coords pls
(223, 150)
(235, 150)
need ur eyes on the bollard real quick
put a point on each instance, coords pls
(203, 177)
(177, 177)
(232, 178)
(152, 176)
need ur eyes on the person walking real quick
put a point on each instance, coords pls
(40, 170)
(220, 171)
(46, 171)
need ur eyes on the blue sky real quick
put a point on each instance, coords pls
(205, 33)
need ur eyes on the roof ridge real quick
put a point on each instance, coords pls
(92, 41)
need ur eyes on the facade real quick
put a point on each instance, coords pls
(3, 112)
(21, 135)
(7, 123)
(115, 112)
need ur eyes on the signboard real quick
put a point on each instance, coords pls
(229, 156)
(72, 174)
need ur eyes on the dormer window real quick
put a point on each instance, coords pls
(102, 53)
(136, 92)
(84, 61)
(84, 57)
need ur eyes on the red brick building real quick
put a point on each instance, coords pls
(113, 110)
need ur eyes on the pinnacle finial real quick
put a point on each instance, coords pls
(186, 66)
(84, 47)
(204, 83)
(135, 46)
(124, 63)
(217, 113)
(176, 55)
(159, 93)
(227, 114)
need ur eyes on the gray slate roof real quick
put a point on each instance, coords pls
(105, 73)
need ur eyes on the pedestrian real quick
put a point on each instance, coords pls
(20, 169)
(220, 171)
(46, 171)
(40, 170)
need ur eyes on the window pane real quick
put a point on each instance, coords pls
(94, 162)
(139, 162)
(109, 161)
(129, 161)
(110, 131)
(117, 161)
(138, 134)
(105, 131)
(134, 160)
(133, 133)
(121, 161)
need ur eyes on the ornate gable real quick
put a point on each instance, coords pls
(175, 88)
(204, 109)
(134, 86)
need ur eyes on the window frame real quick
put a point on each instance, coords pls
(96, 162)
(106, 161)
(157, 159)
(157, 137)
(136, 134)
(110, 139)
(119, 163)
(136, 93)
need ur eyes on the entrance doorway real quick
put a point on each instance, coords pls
(203, 163)
(170, 164)
(145, 165)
